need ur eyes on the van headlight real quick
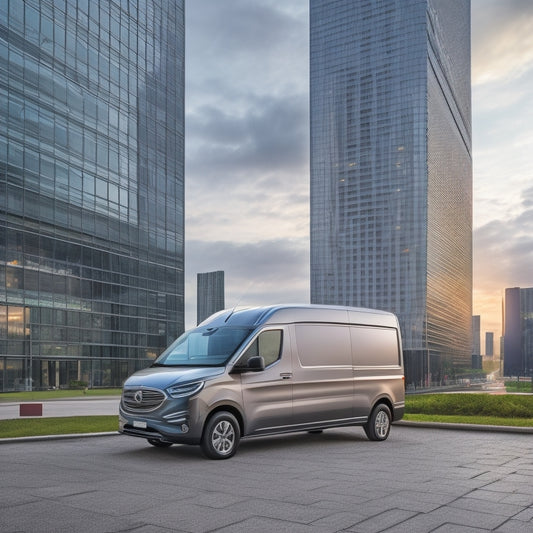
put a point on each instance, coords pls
(184, 389)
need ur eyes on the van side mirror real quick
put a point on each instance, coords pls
(256, 363)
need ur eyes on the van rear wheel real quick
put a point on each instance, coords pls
(221, 436)
(379, 422)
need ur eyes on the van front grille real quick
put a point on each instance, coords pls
(142, 399)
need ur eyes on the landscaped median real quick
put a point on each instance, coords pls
(479, 409)
(57, 394)
(68, 425)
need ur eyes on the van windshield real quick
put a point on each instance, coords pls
(203, 347)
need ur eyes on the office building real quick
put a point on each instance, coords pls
(391, 170)
(477, 360)
(91, 188)
(518, 332)
(209, 294)
(476, 335)
(489, 344)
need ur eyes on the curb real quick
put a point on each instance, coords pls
(38, 438)
(404, 423)
(465, 427)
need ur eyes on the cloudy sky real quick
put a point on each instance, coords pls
(247, 150)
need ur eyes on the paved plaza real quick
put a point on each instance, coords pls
(419, 480)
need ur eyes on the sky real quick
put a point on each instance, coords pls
(247, 151)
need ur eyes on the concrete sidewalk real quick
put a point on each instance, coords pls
(89, 406)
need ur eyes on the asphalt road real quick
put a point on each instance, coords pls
(419, 480)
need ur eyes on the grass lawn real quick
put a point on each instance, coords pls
(471, 405)
(27, 396)
(485, 409)
(519, 386)
(481, 420)
(30, 427)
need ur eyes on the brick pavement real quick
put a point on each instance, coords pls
(419, 480)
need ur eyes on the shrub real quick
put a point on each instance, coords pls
(77, 384)
(512, 406)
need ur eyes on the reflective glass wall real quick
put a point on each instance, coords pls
(518, 332)
(379, 221)
(449, 171)
(91, 188)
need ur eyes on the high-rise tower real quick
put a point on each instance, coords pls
(91, 188)
(391, 170)
(209, 294)
(518, 332)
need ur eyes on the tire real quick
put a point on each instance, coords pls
(159, 443)
(378, 426)
(221, 436)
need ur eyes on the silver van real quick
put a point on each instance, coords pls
(268, 370)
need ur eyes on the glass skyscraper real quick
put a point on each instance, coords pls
(391, 170)
(91, 188)
(518, 332)
(209, 294)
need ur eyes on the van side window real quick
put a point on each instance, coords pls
(267, 344)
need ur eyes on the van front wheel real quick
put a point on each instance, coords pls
(221, 436)
(379, 422)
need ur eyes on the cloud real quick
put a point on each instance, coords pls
(271, 134)
(502, 115)
(502, 39)
(227, 25)
(504, 248)
(246, 47)
(504, 252)
(527, 198)
(503, 255)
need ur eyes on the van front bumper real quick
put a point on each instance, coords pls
(169, 423)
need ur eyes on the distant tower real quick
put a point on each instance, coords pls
(476, 342)
(476, 335)
(391, 170)
(209, 294)
(518, 332)
(489, 343)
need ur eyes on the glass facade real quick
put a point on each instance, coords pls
(91, 188)
(518, 332)
(209, 294)
(391, 179)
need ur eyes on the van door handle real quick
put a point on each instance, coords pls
(286, 375)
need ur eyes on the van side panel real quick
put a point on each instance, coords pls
(322, 373)
(375, 347)
(378, 368)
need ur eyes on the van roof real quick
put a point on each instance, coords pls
(290, 313)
